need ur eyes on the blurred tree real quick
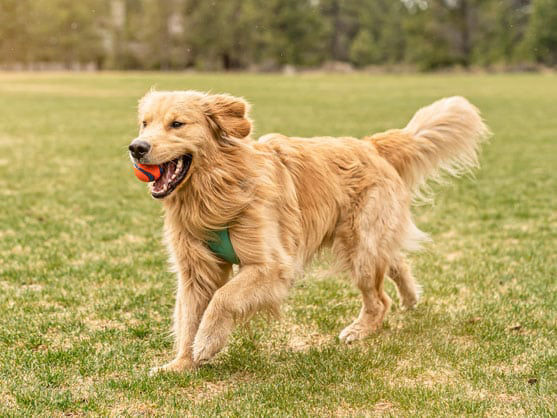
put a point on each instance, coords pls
(15, 40)
(158, 43)
(427, 44)
(237, 34)
(392, 36)
(60, 31)
(115, 35)
(541, 37)
(364, 50)
(382, 21)
(342, 23)
(222, 35)
(501, 26)
(66, 31)
(292, 33)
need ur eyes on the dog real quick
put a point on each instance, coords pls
(283, 199)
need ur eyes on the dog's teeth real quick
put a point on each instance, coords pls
(179, 164)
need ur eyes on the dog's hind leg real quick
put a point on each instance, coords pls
(408, 289)
(368, 269)
(375, 305)
(254, 288)
(366, 242)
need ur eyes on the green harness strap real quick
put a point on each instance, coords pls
(222, 247)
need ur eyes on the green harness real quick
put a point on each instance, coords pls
(222, 247)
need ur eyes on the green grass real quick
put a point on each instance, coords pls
(86, 297)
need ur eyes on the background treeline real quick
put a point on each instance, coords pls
(269, 34)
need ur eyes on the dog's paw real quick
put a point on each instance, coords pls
(204, 349)
(408, 303)
(176, 366)
(354, 332)
(410, 300)
(211, 336)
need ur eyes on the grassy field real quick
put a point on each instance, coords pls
(86, 296)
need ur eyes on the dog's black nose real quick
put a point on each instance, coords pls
(139, 148)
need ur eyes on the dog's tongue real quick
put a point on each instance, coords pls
(168, 170)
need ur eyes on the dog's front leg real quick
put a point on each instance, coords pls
(188, 311)
(191, 302)
(189, 308)
(254, 288)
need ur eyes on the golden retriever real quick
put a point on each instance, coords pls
(283, 199)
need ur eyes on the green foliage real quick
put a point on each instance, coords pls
(381, 37)
(15, 40)
(65, 31)
(364, 49)
(292, 32)
(542, 32)
(240, 34)
(221, 35)
(426, 46)
(62, 31)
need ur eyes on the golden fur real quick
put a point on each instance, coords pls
(286, 198)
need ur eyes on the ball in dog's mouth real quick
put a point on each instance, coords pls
(173, 173)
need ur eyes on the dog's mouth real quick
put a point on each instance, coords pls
(173, 173)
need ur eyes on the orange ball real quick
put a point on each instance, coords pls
(147, 173)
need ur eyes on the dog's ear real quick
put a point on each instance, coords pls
(229, 114)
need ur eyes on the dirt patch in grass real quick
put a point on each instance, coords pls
(134, 407)
(96, 324)
(302, 338)
(439, 376)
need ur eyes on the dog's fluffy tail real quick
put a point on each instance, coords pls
(442, 137)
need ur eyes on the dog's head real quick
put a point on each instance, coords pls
(178, 129)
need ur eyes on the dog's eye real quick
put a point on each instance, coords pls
(144, 123)
(177, 124)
